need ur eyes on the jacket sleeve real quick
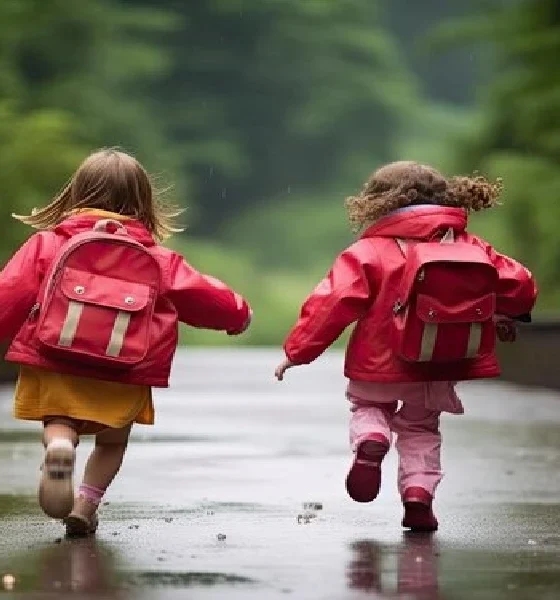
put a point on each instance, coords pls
(205, 302)
(20, 280)
(517, 289)
(339, 300)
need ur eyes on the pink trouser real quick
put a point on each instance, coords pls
(418, 438)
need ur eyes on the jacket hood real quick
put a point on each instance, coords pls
(83, 222)
(419, 222)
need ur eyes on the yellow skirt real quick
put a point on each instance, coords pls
(40, 393)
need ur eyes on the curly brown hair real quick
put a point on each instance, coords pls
(405, 183)
(114, 181)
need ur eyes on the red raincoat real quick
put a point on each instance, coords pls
(361, 287)
(187, 296)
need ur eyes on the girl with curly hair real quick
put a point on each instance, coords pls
(429, 300)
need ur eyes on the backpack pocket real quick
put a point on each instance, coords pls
(97, 319)
(430, 331)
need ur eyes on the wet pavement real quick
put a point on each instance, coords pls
(209, 503)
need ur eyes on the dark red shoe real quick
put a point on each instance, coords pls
(364, 479)
(418, 513)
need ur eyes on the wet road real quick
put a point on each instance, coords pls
(235, 454)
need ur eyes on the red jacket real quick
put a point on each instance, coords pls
(360, 287)
(187, 296)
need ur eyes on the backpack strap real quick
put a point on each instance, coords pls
(448, 238)
(402, 245)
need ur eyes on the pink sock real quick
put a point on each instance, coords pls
(91, 494)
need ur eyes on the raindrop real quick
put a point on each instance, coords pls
(224, 193)
(532, 542)
(418, 559)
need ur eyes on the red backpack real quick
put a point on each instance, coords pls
(446, 302)
(98, 299)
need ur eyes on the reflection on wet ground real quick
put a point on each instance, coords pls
(210, 503)
(416, 570)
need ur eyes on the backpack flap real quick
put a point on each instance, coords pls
(476, 310)
(89, 288)
(467, 264)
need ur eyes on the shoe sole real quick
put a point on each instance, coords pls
(77, 526)
(364, 479)
(56, 489)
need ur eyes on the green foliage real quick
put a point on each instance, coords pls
(36, 155)
(266, 115)
(280, 95)
(274, 295)
(73, 76)
(519, 139)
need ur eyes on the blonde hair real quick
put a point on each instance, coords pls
(113, 181)
(404, 183)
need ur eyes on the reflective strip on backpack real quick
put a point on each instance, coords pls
(70, 326)
(428, 342)
(117, 335)
(475, 338)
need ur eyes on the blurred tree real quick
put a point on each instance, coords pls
(73, 76)
(279, 95)
(520, 134)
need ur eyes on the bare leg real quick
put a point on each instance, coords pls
(60, 429)
(101, 468)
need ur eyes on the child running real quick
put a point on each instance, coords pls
(92, 303)
(429, 300)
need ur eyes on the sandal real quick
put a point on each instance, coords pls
(80, 526)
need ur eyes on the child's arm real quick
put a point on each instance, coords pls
(205, 302)
(20, 280)
(339, 300)
(517, 290)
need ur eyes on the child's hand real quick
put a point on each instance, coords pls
(282, 368)
(506, 329)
